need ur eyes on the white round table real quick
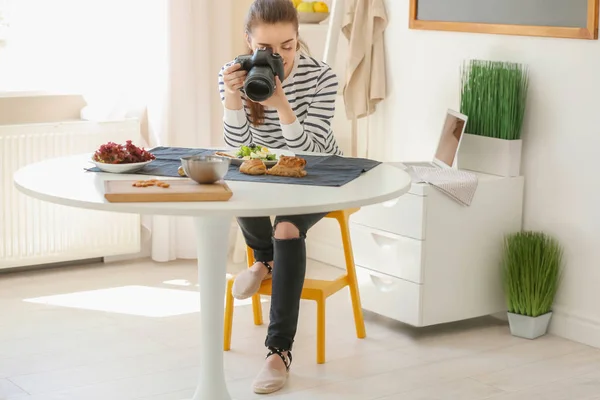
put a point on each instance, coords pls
(64, 181)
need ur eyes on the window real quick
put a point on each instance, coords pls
(4, 24)
(80, 45)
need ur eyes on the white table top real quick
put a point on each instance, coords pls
(64, 181)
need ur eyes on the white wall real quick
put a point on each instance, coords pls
(561, 138)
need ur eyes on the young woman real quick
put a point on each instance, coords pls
(298, 117)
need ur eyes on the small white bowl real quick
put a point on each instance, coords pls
(120, 168)
(312, 17)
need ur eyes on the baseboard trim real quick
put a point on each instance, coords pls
(575, 327)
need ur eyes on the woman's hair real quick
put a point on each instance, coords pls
(270, 12)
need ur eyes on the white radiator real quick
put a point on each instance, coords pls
(33, 232)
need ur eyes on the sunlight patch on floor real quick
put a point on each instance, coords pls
(144, 301)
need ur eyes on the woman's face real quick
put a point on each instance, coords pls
(282, 38)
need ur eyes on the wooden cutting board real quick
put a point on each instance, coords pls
(116, 191)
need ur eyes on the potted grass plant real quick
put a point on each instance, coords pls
(532, 269)
(493, 96)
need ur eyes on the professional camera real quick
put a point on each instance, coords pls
(262, 67)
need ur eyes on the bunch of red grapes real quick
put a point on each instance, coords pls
(112, 153)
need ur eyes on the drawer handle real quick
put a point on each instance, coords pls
(383, 285)
(391, 203)
(383, 242)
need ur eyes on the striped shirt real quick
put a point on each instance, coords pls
(311, 90)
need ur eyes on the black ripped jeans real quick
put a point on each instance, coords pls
(289, 270)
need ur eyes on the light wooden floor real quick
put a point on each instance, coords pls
(130, 331)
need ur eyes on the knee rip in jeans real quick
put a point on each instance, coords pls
(286, 231)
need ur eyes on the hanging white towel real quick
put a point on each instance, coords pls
(365, 87)
(364, 24)
(457, 184)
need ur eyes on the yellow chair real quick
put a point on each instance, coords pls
(314, 289)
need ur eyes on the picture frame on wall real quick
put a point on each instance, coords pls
(572, 19)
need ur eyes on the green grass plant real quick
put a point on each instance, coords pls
(493, 96)
(532, 270)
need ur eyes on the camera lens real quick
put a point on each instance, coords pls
(259, 84)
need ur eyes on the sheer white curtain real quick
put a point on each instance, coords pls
(176, 87)
(187, 110)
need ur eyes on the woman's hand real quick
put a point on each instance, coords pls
(233, 79)
(278, 100)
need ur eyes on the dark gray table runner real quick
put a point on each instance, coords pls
(322, 170)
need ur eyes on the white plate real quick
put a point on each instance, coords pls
(278, 153)
(120, 168)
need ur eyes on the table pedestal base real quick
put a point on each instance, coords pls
(212, 245)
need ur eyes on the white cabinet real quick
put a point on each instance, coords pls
(424, 259)
(403, 216)
(392, 297)
(387, 253)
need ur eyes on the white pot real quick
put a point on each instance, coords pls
(529, 327)
(490, 155)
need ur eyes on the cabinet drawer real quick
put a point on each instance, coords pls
(385, 252)
(402, 216)
(391, 297)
